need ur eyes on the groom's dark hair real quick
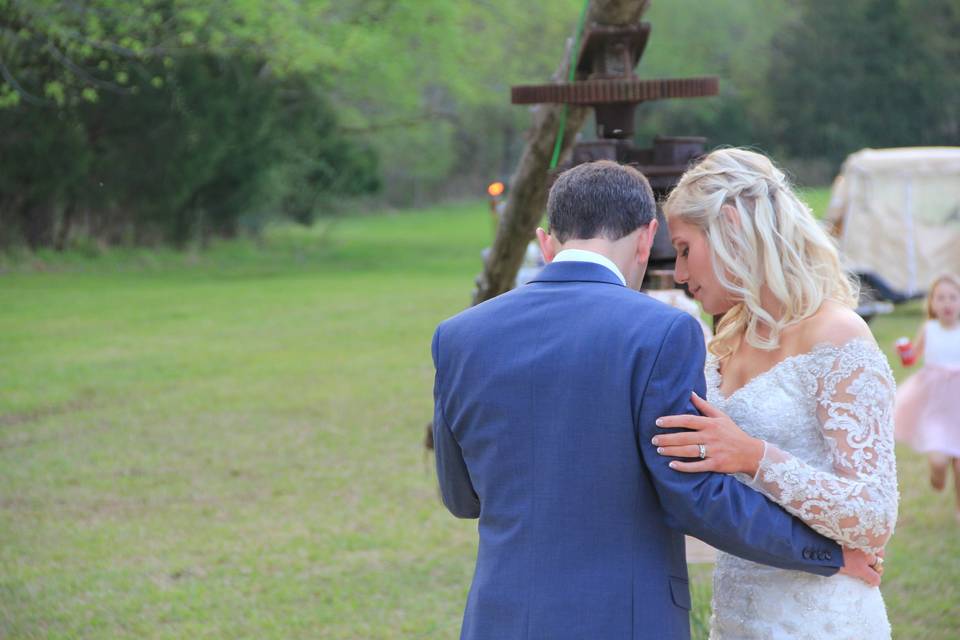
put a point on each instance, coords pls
(599, 199)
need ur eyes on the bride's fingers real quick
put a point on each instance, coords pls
(692, 467)
(876, 573)
(705, 407)
(686, 451)
(677, 439)
(683, 421)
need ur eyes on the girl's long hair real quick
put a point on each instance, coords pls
(760, 234)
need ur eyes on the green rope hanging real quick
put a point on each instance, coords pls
(573, 69)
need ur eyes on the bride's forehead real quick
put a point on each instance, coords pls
(680, 230)
(675, 224)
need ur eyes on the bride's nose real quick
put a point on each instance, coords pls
(679, 273)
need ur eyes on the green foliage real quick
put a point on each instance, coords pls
(735, 47)
(936, 25)
(811, 80)
(223, 138)
(416, 75)
(219, 139)
(851, 75)
(194, 114)
(321, 160)
(174, 120)
(89, 48)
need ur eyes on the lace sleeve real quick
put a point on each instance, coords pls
(854, 503)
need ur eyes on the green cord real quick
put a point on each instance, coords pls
(573, 70)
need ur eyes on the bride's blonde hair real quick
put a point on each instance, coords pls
(768, 237)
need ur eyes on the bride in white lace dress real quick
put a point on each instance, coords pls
(800, 399)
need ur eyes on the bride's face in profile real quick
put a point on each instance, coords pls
(694, 267)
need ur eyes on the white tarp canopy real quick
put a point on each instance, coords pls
(896, 214)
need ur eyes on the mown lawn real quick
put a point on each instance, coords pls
(228, 444)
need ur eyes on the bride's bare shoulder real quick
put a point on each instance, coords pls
(834, 324)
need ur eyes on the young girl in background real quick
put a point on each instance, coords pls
(927, 414)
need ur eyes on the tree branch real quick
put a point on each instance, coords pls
(82, 74)
(26, 95)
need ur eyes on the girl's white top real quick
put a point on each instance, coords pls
(942, 346)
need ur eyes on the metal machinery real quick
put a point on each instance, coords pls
(605, 80)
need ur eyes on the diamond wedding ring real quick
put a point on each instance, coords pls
(703, 451)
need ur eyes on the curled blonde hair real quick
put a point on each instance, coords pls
(940, 279)
(769, 238)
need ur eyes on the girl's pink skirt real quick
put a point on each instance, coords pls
(927, 413)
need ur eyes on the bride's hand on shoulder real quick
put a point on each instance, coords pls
(714, 441)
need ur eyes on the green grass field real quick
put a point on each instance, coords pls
(228, 444)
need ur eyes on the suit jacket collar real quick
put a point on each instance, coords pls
(577, 272)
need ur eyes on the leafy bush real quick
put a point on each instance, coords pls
(179, 158)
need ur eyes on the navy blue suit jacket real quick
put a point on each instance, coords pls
(545, 401)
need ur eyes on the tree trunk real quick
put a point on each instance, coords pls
(63, 233)
(36, 222)
(527, 197)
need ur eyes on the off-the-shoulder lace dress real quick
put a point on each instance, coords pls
(827, 418)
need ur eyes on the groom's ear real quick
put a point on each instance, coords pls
(548, 245)
(645, 241)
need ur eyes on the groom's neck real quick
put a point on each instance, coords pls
(618, 252)
(596, 245)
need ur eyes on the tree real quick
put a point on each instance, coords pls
(852, 74)
(937, 23)
(736, 47)
(187, 158)
(398, 81)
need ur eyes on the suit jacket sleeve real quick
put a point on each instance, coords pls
(456, 487)
(717, 508)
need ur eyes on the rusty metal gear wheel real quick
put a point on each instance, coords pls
(619, 90)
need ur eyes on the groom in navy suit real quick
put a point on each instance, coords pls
(545, 403)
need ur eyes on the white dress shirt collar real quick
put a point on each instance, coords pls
(582, 255)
